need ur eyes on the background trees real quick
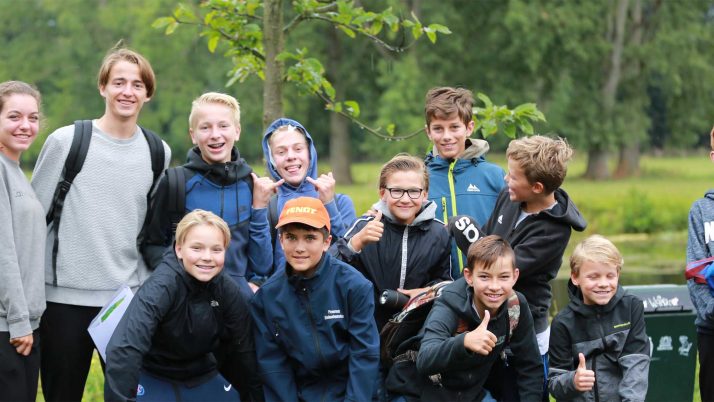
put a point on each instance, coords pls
(615, 77)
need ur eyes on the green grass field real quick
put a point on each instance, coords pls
(656, 204)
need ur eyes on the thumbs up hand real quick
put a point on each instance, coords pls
(481, 340)
(584, 379)
(370, 233)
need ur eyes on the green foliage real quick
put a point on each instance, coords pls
(238, 25)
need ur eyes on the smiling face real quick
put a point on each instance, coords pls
(124, 93)
(303, 247)
(214, 131)
(291, 154)
(404, 209)
(449, 135)
(202, 252)
(492, 285)
(19, 123)
(597, 281)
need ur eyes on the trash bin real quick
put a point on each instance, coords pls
(669, 317)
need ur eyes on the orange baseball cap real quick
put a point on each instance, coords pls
(306, 210)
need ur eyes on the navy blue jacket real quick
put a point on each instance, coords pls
(226, 190)
(341, 209)
(173, 327)
(315, 338)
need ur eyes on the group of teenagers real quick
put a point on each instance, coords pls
(268, 288)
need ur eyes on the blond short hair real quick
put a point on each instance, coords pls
(543, 159)
(118, 54)
(201, 217)
(596, 249)
(215, 98)
(403, 162)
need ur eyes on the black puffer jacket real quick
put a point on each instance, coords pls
(539, 242)
(613, 340)
(172, 327)
(420, 250)
(463, 374)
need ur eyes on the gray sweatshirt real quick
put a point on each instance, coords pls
(22, 241)
(700, 245)
(102, 216)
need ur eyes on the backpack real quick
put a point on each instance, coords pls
(73, 165)
(399, 337)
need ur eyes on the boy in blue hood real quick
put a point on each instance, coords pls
(291, 157)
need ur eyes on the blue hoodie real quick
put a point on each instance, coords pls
(341, 209)
(468, 185)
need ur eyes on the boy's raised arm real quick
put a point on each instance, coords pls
(364, 345)
(439, 348)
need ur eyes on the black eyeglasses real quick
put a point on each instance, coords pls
(398, 193)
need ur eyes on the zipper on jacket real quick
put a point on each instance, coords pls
(223, 192)
(312, 324)
(314, 333)
(452, 193)
(405, 249)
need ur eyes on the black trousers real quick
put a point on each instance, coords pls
(706, 367)
(18, 373)
(66, 350)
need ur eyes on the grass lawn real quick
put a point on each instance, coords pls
(657, 202)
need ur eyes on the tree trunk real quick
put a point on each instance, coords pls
(597, 165)
(629, 162)
(273, 43)
(340, 158)
(597, 168)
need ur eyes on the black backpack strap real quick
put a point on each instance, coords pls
(176, 180)
(158, 157)
(273, 218)
(72, 166)
(156, 150)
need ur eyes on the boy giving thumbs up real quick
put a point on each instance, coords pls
(468, 329)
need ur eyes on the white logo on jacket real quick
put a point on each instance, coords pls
(334, 315)
(708, 231)
(473, 188)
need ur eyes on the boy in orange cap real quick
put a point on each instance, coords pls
(315, 334)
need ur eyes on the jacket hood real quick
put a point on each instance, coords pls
(579, 306)
(566, 211)
(427, 213)
(287, 191)
(270, 164)
(475, 148)
(220, 173)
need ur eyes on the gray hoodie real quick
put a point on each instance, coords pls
(22, 239)
(700, 245)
